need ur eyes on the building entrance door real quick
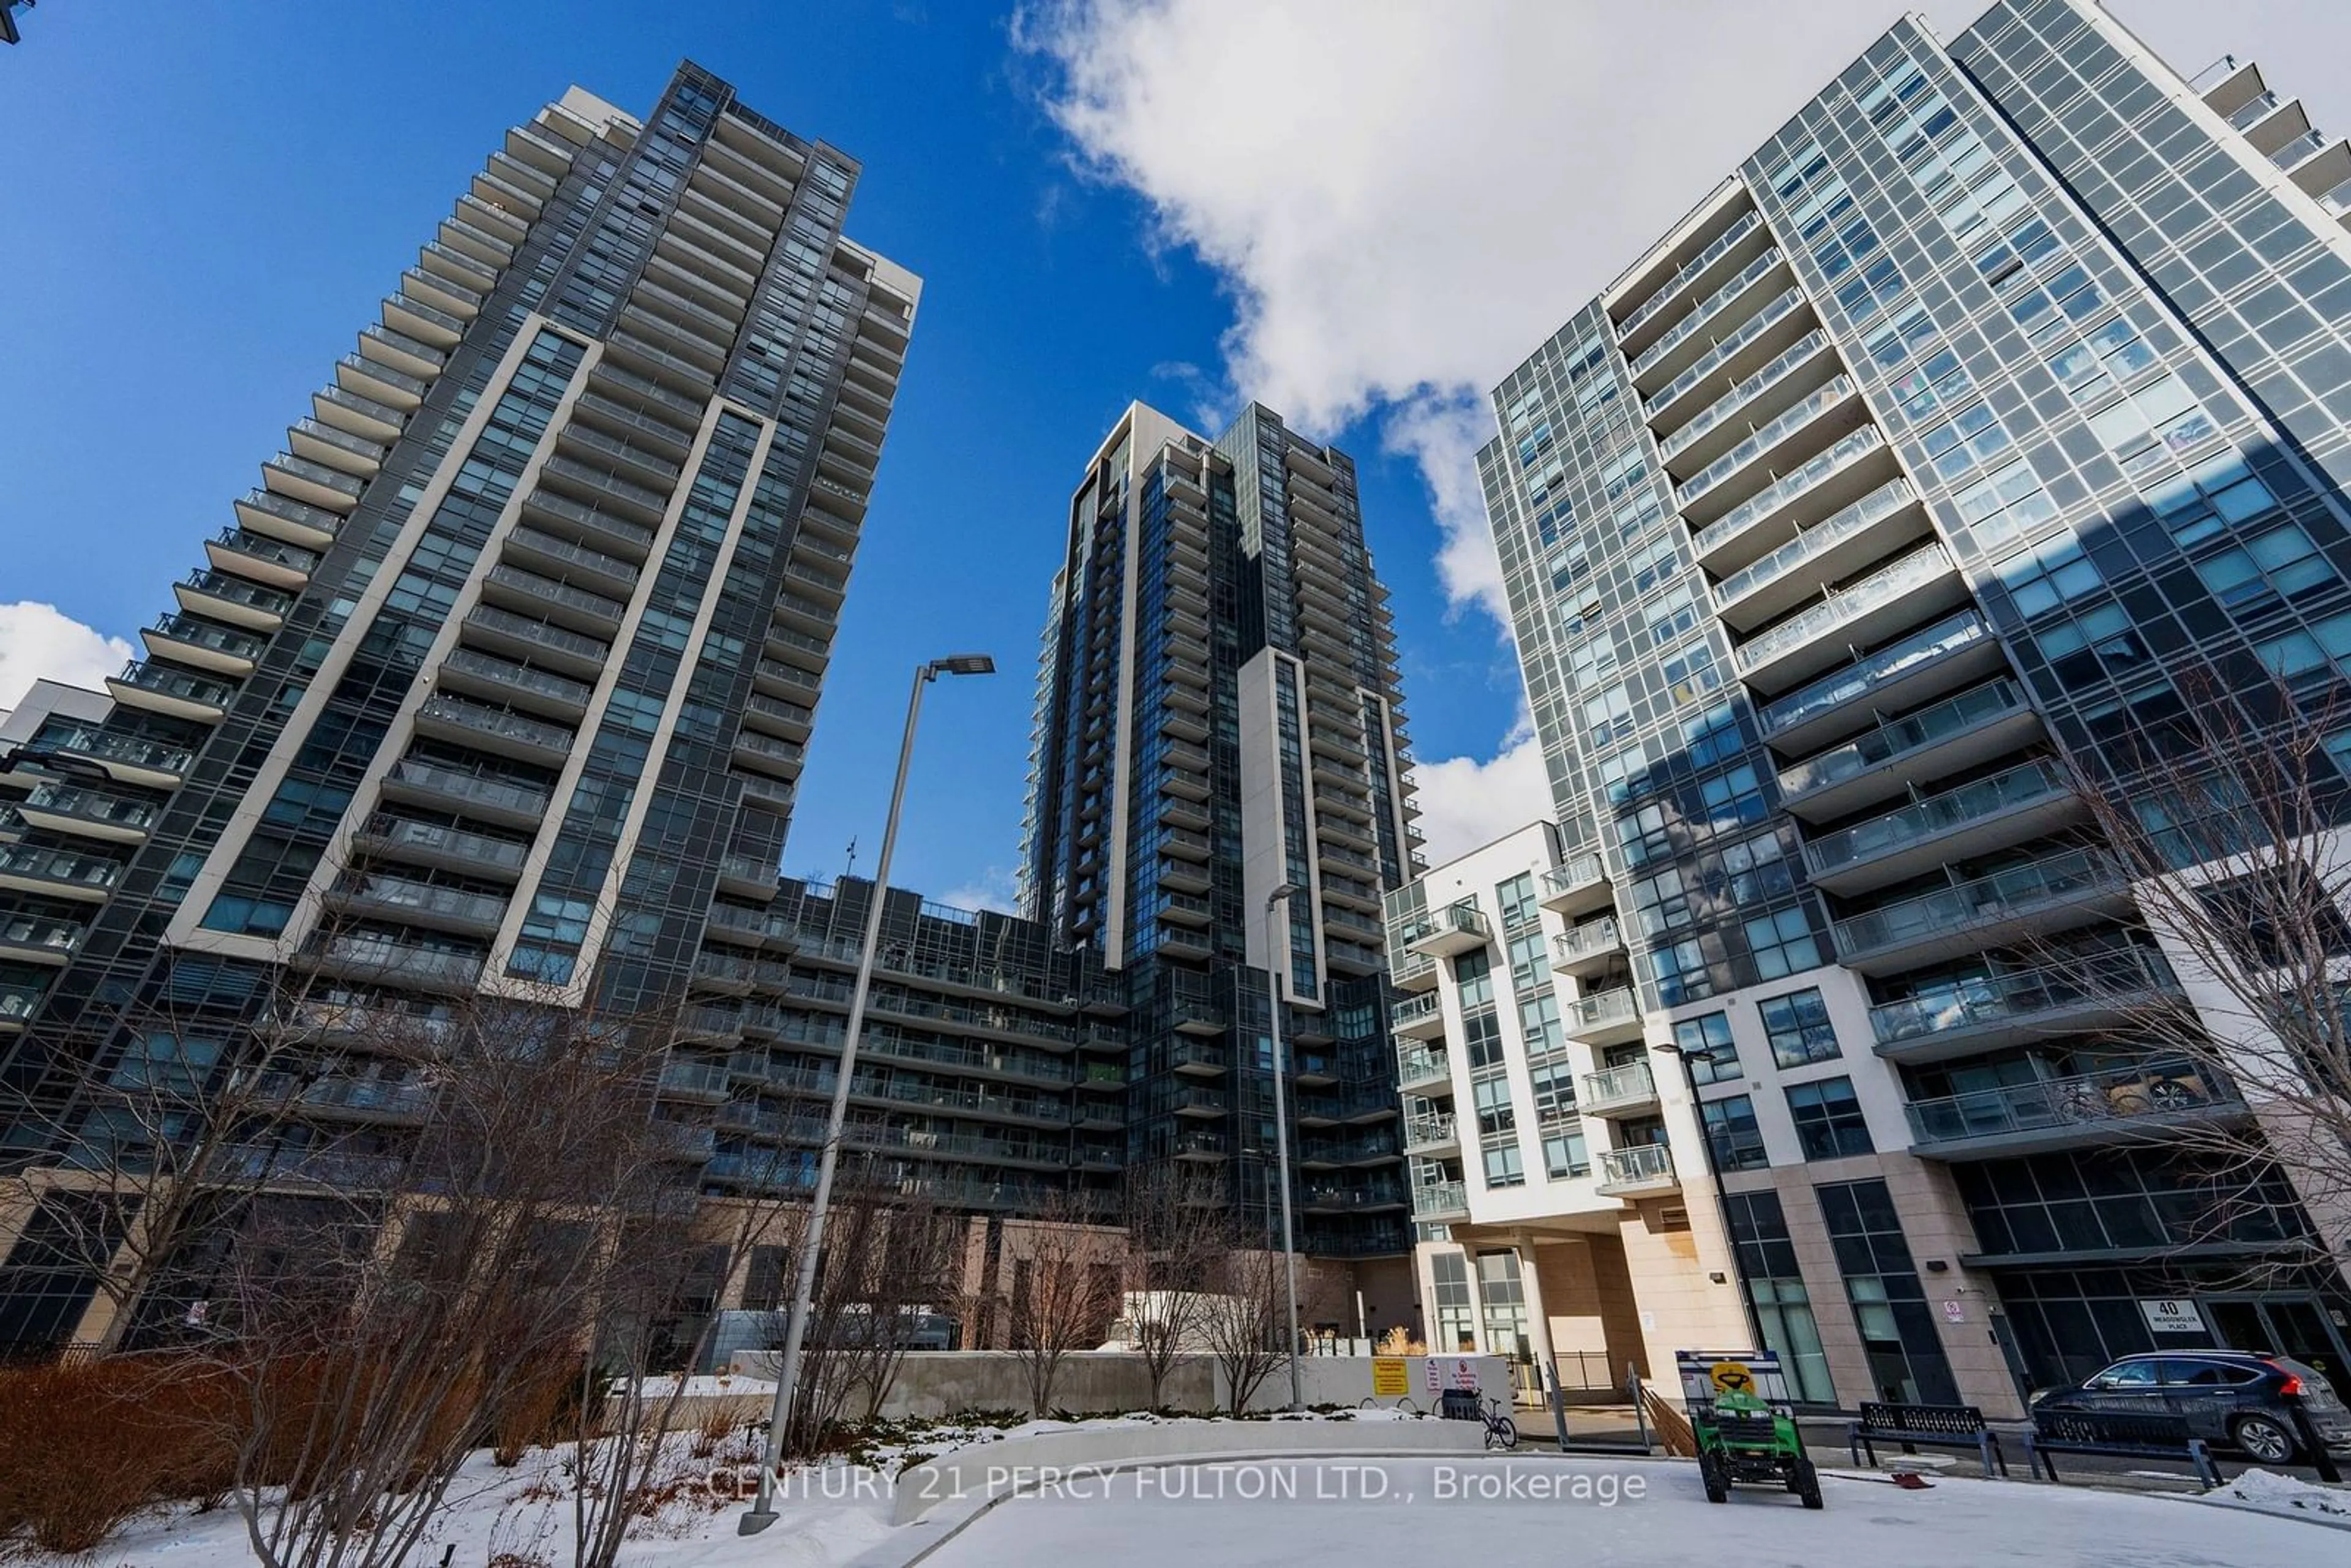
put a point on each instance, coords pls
(2293, 1326)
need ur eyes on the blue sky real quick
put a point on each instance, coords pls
(1363, 214)
(204, 203)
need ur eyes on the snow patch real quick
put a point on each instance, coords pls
(2272, 1493)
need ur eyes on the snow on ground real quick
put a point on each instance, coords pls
(2286, 1495)
(1616, 1513)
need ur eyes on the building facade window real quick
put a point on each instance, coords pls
(1776, 1283)
(1706, 1045)
(1829, 1123)
(1798, 1026)
(1731, 1133)
(1907, 1362)
(1457, 1305)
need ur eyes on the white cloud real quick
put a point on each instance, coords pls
(1466, 802)
(41, 641)
(1404, 199)
(996, 888)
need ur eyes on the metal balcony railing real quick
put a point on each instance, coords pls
(2089, 1102)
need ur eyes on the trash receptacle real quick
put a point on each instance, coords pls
(1459, 1405)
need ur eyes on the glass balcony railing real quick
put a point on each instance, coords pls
(1776, 430)
(1414, 1009)
(2303, 147)
(277, 552)
(1422, 1066)
(404, 960)
(1642, 1166)
(2255, 110)
(318, 474)
(396, 895)
(2002, 895)
(558, 593)
(2089, 1103)
(381, 374)
(541, 633)
(69, 867)
(1873, 748)
(1590, 940)
(1714, 358)
(2031, 783)
(222, 640)
(1439, 1198)
(396, 834)
(519, 677)
(1425, 1131)
(1580, 871)
(1857, 681)
(496, 794)
(132, 750)
(94, 806)
(18, 999)
(1667, 291)
(1809, 544)
(40, 933)
(341, 441)
(1769, 500)
(1731, 401)
(1607, 1010)
(236, 590)
(1628, 1084)
(1985, 1000)
(1704, 311)
(1879, 589)
(492, 722)
(167, 681)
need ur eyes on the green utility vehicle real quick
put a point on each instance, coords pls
(1745, 1426)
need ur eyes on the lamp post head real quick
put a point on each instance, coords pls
(1287, 890)
(963, 664)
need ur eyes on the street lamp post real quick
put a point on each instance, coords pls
(1721, 1195)
(1275, 955)
(788, 1375)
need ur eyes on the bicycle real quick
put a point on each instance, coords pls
(1501, 1432)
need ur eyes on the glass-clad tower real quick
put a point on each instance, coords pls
(500, 676)
(1998, 401)
(1218, 716)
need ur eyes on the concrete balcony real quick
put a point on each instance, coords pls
(311, 484)
(525, 637)
(1201, 1103)
(1918, 587)
(264, 559)
(1443, 933)
(527, 593)
(2140, 1104)
(1413, 972)
(293, 521)
(1804, 495)
(233, 599)
(1831, 551)
(1724, 423)
(2058, 894)
(1578, 886)
(1831, 410)
(1962, 1018)
(1609, 1017)
(1202, 1148)
(1940, 659)
(493, 731)
(18, 1001)
(1695, 279)
(498, 680)
(1431, 1135)
(614, 576)
(1423, 1070)
(88, 813)
(381, 896)
(1626, 1090)
(500, 800)
(1761, 337)
(1420, 1017)
(1729, 305)
(385, 837)
(1435, 1202)
(127, 758)
(2027, 801)
(1935, 742)
(203, 645)
(387, 960)
(1588, 948)
(1638, 1172)
(59, 873)
(42, 939)
(165, 689)
(1197, 1059)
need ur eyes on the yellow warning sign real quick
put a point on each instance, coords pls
(1389, 1379)
(1732, 1378)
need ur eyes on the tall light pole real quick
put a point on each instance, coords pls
(788, 1375)
(1277, 956)
(1721, 1195)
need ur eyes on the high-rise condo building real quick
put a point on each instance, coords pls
(500, 676)
(1994, 412)
(1218, 719)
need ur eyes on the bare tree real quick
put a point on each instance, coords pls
(1246, 1326)
(2227, 818)
(1065, 1284)
(385, 1307)
(1177, 1238)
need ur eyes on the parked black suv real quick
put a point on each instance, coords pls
(2229, 1397)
